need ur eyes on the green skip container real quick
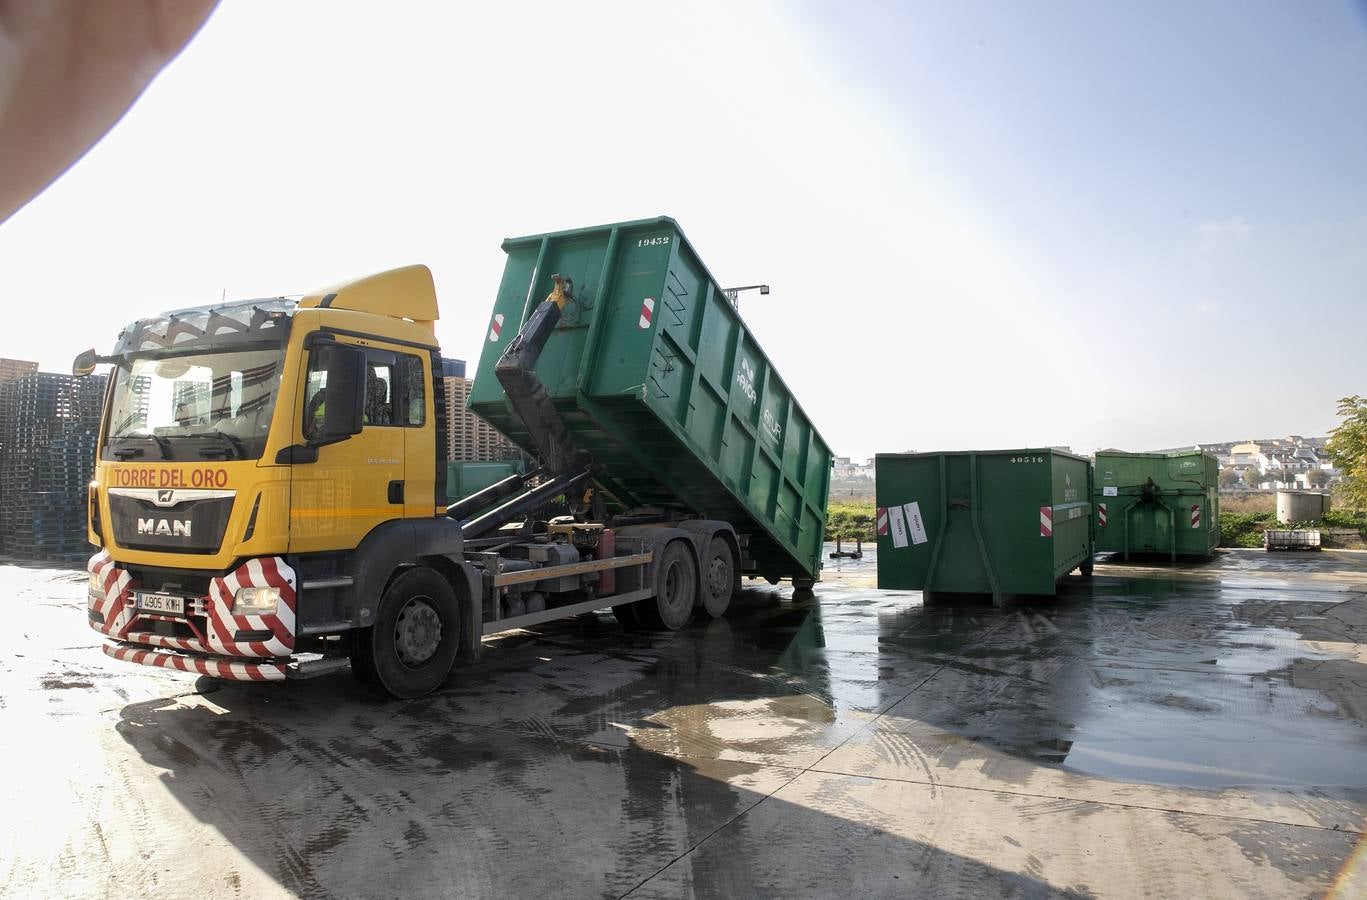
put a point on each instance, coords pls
(998, 522)
(656, 375)
(1157, 504)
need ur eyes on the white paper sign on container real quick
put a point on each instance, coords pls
(915, 523)
(899, 526)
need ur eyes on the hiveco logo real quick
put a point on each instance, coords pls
(147, 476)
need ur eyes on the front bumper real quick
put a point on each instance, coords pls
(214, 667)
(207, 638)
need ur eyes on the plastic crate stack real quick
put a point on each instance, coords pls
(49, 426)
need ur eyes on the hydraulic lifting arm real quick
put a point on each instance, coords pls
(563, 468)
(528, 396)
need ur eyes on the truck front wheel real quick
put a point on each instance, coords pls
(676, 589)
(410, 649)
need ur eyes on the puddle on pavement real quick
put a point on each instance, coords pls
(1149, 679)
(1234, 759)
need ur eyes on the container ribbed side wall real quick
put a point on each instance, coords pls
(657, 376)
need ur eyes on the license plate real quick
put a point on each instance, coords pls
(161, 603)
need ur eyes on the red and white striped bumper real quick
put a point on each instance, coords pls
(214, 667)
(219, 644)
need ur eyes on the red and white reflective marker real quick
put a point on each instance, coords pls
(647, 310)
(1196, 515)
(495, 327)
(882, 520)
(1101, 514)
(1046, 521)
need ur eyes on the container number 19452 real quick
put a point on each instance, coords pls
(652, 241)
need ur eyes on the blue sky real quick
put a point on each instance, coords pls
(1174, 169)
(986, 225)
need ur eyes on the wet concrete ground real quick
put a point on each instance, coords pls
(1158, 732)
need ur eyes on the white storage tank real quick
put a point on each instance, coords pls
(1301, 506)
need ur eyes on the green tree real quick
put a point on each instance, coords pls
(1348, 449)
(1229, 478)
(1317, 477)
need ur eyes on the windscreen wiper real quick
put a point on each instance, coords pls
(163, 446)
(236, 449)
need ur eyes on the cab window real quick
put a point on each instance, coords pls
(315, 396)
(414, 389)
(395, 392)
(379, 393)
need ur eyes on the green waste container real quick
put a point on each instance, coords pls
(656, 375)
(465, 477)
(1157, 503)
(999, 522)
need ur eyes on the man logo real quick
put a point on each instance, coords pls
(166, 527)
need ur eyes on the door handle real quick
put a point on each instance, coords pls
(396, 492)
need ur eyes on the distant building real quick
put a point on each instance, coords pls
(1247, 454)
(845, 469)
(452, 368)
(1306, 457)
(13, 368)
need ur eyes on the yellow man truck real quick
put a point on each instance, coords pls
(269, 497)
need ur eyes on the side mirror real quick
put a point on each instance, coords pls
(84, 363)
(345, 402)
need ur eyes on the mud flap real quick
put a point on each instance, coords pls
(472, 614)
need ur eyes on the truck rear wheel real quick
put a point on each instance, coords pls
(718, 577)
(676, 590)
(412, 646)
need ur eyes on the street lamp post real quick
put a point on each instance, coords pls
(733, 294)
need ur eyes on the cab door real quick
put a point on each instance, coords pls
(356, 483)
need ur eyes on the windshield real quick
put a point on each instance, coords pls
(193, 406)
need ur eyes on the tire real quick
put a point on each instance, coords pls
(413, 644)
(718, 579)
(363, 659)
(676, 590)
(1086, 568)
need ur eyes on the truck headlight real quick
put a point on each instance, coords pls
(95, 587)
(255, 600)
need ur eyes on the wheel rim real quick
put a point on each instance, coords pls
(672, 585)
(718, 576)
(674, 592)
(417, 631)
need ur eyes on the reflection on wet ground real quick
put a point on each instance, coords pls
(1153, 730)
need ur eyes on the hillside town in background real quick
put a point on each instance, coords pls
(1270, 464)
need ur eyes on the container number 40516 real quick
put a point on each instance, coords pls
(1027, 459)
